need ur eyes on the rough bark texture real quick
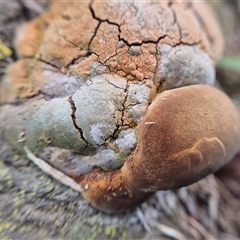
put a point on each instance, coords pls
(33, 205)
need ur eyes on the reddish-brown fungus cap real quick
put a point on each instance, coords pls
(186, 134)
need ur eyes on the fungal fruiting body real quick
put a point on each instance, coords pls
(194, 130)
(83, 104)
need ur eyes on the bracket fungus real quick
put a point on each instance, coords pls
(115, 95)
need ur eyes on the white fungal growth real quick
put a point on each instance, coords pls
(97, 133)
(60, 84)
(184, 65)
(127, 141)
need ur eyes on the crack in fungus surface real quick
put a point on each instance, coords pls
(74, 109)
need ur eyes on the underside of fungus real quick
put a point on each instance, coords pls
(112, 95)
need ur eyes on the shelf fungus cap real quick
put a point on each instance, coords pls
(186, 134)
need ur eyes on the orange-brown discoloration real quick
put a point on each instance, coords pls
(111, 192)
(22, 81)
(30, 36)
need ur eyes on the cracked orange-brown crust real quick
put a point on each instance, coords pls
(121, 37)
